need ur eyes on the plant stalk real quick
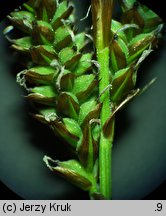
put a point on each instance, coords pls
(105, 145)
(102, 15)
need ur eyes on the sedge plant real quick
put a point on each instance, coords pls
(77, 91)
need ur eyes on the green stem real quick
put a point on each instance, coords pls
(101, 16)
(105, 167)
(105, 144)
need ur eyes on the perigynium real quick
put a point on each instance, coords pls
(78, 92)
